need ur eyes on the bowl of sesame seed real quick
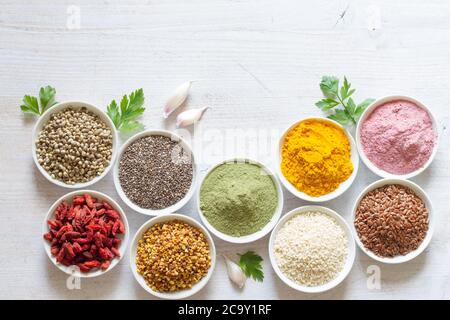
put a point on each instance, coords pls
(312, 249)
(74, 144)
(155, 172)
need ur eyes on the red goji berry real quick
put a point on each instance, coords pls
(89, 201)
(117, 242)
(92, 264)
(105, 265)
(78, 200)
(69, 251)
(54, 250)
(66, 262)
(60, 255)
(76, 247)
(98, 239)
(94, 227)
(115, 251)
(53, 224)
(115, 227)
(98, 205)
(121, 227)
(88, 255)
(93, 250)
(83, 268)
(108, 242)
(61, 232)
(69, 227)
(107, 205)
(82, 241)
(105, 254)
(112, 214)
(72, 234)
(48, 236)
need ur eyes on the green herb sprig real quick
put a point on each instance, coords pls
(335, 96)
(250, 263)
(35, 106)
(131, 107)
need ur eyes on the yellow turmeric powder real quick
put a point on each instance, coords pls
(316, 157)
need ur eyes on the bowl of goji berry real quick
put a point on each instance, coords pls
(85, 233)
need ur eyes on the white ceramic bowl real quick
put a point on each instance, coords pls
(181, 293)
(76, 105)
(422, 195)
(342, 187)
(173, 207)
(122, 248)
(348, 263)
(380, 172)
(254, 236)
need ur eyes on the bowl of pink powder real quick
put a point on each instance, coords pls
(397, 137)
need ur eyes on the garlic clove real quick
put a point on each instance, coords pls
(189, 117)
(235, 272)
(177, 98)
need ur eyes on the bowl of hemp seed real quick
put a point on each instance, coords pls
(74, 144)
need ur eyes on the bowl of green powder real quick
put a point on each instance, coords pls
(240, 200)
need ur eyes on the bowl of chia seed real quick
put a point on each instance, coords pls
(155, 172)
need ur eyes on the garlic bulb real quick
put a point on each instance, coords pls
(177, 98)
(235, 272)
(189, 117)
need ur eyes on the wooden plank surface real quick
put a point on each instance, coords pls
(257, 64)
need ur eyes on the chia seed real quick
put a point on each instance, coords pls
(155, 172)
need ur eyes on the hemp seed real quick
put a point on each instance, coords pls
(68, 148)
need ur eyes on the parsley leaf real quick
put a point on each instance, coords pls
(37, 107)
(47, 97)
(326, 104)
(131, 107)
(329, 86)
(335, 96)
(250, 263)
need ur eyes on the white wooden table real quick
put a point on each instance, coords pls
(258, 64)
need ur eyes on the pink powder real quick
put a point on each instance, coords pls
(398, 137)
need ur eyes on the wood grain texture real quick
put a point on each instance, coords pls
(258, 64)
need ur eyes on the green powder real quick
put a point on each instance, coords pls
(238, 199)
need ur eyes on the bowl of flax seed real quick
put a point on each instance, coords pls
(393, 220)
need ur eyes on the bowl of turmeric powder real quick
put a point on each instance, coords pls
(318, 159)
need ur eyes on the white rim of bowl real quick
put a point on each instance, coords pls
(431, 218)
(181, 294)
(123, 246)
(344, 186)
(44, 118)
(254, 236)
(369, 164)
(176, 206)
(348, 263)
